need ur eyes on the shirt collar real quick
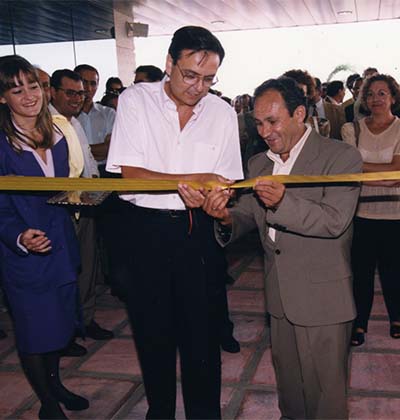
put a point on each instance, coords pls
(294, 152)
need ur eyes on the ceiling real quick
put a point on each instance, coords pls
(164, 17)
(40, 21)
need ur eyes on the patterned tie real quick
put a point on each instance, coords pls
(315, 112)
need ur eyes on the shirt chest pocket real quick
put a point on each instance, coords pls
(205, 157)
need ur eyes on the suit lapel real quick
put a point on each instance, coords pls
(303, 166)
(309, 153)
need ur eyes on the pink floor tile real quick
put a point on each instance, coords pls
(374, 408)
(265, 374)
(375, 372)
(126, 330)
(105, 396)
(251, 280)
(106, 299)
(259, 405)
(257, 263)
(110, 318)
(11, 359)
(140, 409)
(117, 356)
(377, 284)
(248, 329)
(378, 307)
(378, 337)
(246, 301)
(234, 364)
(14, 389)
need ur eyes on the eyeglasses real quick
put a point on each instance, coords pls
(71, 93)
(379, 94)
(191, 78)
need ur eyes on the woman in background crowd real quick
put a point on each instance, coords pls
(377, 221)
(38, 249)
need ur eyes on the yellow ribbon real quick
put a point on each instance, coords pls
(29, 183)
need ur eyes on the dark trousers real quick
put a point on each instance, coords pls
(90, 271)
(172, 302)
(375, 244)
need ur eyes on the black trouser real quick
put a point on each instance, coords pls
(375, 244)
(173, 304)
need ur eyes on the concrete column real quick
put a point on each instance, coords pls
(125, 46)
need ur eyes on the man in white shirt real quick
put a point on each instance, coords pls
(67, 97)
(175, 130)
(306, 234)
(97, 120)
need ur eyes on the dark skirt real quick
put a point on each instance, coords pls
(45, 321)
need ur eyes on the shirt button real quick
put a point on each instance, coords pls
(277, 251)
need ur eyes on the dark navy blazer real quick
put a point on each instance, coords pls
(32, 281)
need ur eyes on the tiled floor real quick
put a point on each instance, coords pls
(110, 375)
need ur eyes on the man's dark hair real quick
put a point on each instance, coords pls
(333, 88)
(153, 73)
(83, 67)
(350, 80)
(370, 70)
(318, 83)
(57, 76)
(290, 91)
(194, 38)
(304, 78)
(111, 81)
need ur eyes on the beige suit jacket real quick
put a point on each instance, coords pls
(336, 117)
(307, 268)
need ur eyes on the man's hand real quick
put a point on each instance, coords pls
(35, 240)
(215, 204)
(270, 193)
(192, 198)
(195, 198)
(208, 177)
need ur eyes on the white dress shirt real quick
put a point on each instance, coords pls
(320, 109)
(97, 123)
(284, 168)
(147, 134)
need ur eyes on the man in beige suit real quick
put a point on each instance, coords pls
(325, 110)
(306, 233)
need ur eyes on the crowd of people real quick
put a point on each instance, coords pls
(162, 254)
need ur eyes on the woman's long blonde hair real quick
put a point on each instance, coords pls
(11, 68)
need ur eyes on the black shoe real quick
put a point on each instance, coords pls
(2, 335)
(395, 331)
(230, 345)
(357, 338)
(73, 350)
(50, 411)
(94, 331)
(70, 400)
(229, 279)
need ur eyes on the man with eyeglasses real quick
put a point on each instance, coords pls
(97, 120)
(67, 95)
(175, 130)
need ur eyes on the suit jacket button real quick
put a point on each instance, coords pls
(277, 251)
